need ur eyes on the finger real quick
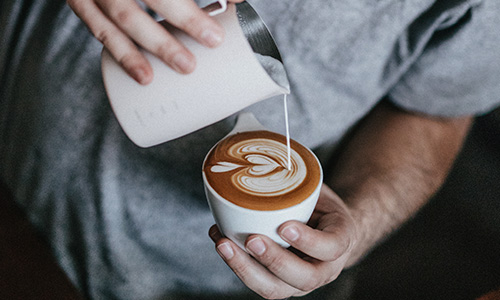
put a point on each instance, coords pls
(117, 43)
(214, 233)
(149, 34)
(301, 274)
(327, 244)
(254, 275)
(187, 16)
(335, 233)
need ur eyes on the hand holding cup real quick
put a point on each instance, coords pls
(250, 187)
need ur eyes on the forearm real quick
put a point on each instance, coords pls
(391, 166)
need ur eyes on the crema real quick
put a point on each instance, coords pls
(250, 169)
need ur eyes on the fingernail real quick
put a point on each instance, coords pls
(214, 233)
(290, 233)
(256, 246)
(225, 251)
(211, 38)
(183, 63)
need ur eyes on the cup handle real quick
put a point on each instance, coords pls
(223, 7)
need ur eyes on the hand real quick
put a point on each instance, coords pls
(118, 25)
(319, 252)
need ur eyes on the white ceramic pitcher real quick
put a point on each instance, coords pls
(226, 80)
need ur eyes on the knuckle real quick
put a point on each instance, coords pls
(165, 50)
(308, 243)
(124, 60)
(103, 36)
(276, 263)
(241, 269)
(129, 60)
(123, 17)
(169, 51)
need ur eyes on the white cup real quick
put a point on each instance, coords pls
(237, 223)
(226, 80)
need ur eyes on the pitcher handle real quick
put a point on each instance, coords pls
(223, 7)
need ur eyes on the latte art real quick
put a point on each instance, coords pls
(251, 170)
(260, 167)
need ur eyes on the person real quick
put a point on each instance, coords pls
(384, 92)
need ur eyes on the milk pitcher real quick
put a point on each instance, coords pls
(226, 80)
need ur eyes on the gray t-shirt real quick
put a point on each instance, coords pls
(131, 223)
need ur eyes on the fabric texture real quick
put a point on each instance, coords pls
(131, 223)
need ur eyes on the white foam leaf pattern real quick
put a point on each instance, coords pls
(224, 166)
(263, 168)
(262, 164)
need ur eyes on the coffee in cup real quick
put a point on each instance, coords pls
(251, 188)
(250, 169)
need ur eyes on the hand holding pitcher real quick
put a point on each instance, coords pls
(120, 25)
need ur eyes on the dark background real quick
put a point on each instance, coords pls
(451, 250)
